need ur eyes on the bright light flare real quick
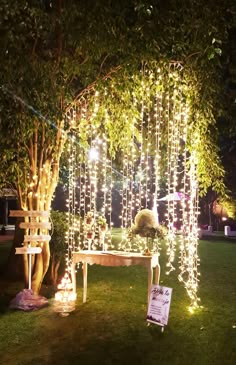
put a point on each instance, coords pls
(93, 154)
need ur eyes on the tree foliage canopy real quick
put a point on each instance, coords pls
(53, 50)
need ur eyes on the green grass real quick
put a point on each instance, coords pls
(111, 327)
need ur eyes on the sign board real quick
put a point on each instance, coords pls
(159, 305)
(35, 225)
(37, 237)
(29, 213)
(28, 250)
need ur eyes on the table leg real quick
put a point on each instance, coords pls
(157, 270)
(85, 280)
(150, 279)
(73, 277)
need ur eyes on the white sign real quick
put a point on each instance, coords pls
(35, 225)
(28, 250)
(159, 305)
(37, 237)
(29, 213)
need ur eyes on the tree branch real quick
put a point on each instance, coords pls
(42, 148)
(92, 85)
(36, 125)
(31, 155)
(193, 54)
(104, 60)
(59, 33)
(34, 47)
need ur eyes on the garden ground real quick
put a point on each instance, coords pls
(111, 327)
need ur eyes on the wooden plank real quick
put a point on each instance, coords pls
(35, 225)
(37, 237)
(28, 250)
(29, 213)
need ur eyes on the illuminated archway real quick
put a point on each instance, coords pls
(158, 145)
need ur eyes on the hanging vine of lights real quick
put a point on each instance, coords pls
(159, 152)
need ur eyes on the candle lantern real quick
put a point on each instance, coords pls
(65, 298)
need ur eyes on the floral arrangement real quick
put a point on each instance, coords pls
(146, 225)
(102, 222)
(89, 218)
(89, 227)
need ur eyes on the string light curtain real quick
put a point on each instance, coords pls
(157, 141)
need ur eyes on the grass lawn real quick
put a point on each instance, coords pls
(111, 327)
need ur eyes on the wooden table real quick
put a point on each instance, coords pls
(114, 258)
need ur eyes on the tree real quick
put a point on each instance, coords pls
(32, 127)
(52, 52)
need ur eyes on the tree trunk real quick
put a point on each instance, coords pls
(55, 265)
(41, 179)
(40, 267)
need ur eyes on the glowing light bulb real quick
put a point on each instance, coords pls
(93, 154)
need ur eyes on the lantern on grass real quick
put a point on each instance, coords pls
(65, 298)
